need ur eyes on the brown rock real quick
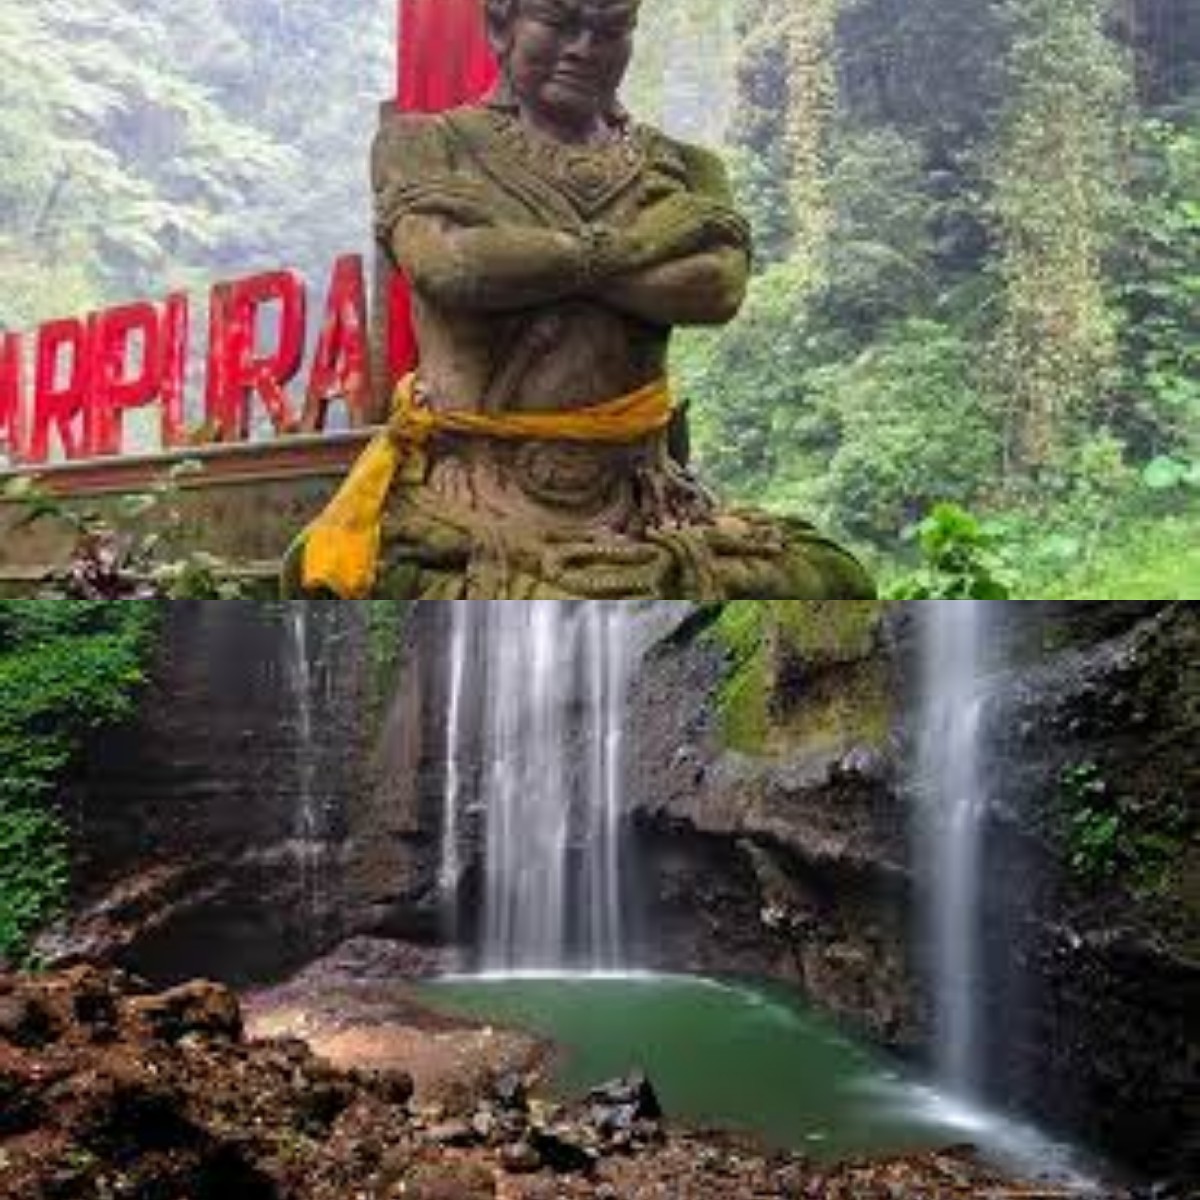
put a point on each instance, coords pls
(389, 1085)
(20, 1106)
(26, 1020)
(520, 1158)
(203, 1008)
(452, 1133)
(125, 1110)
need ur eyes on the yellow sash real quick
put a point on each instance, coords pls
(341, 547)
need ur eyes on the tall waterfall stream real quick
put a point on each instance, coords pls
(955, 641)
(538, 691)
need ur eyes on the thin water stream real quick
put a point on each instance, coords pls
(956, 641)
(308, 818)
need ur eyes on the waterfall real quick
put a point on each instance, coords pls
(307, 823)
(607, 668)
(450, 872)
(537, 692)
(954, 636)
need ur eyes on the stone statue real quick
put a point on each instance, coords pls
(552, 244)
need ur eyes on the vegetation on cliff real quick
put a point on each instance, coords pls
(777, 655)
(66, 668)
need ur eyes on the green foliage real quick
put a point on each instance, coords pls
(1164, 473)
(958, 560)
(157, 146)
(67, 667)
(879, 259)
(1159, 288)
(34, 874)
(763, 643)
(386, 621)
(1112, 840)
(1004, 312)
(747, 379)
(911, 430)
(743, 701)
(139, 549)
(1139, 559)
(1057, 200)
(1095, 827)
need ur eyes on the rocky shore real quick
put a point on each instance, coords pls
(108, 1089)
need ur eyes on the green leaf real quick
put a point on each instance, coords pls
(1164, 473)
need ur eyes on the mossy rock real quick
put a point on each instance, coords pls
(801, 675)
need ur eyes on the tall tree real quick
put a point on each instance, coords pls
(784, 122)
(1058, 193)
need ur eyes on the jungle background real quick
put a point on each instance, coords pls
(974, 333)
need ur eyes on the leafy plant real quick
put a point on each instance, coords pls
(67, 667)
(1111, 839)
(1160, 292)
(140, 550)
(958, 560)
(1095, 825)
(912, 431)
(1166, 473)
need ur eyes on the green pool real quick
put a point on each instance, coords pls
(733, 1055)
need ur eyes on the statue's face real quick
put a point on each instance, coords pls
(566, 59)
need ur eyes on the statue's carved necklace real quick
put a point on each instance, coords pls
(592, 177)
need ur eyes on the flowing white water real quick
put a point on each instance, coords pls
(307, 821)
(607, 666)
(553, 680)
(451, 858)
(954, 639)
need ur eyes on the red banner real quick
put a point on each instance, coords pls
(444, 60)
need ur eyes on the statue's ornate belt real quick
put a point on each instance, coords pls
(341, 547)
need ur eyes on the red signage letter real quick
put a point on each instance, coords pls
(175, 325)
(12, 400)
(114, 387)
(236, 371)
(341, 362)
(61, 406)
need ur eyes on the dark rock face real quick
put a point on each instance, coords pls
(223, 831)
(1105, 728)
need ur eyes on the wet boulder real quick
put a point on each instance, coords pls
(510, 1092)
(623, 1106)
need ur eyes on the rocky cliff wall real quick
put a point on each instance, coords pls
(221, 831)
(774, 802)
